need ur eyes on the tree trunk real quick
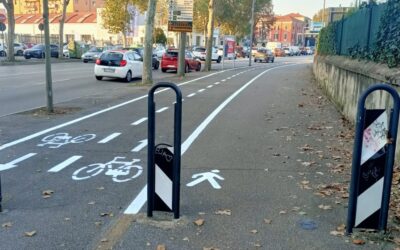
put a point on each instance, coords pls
(61, 31)
(147, 77)
(124, 41)
(10, 29)
(181, 55)
(210, 31)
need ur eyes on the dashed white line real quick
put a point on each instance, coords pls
(110, 137)
(217, 83)
(200, 90)
(161, 109)
(192, 94)
(229, 78)
(142, 145)
(210, 86)
(139, 121)
(64, 164)
(223, 80)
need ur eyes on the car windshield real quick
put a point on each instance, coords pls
(200, 49)
(39, 46)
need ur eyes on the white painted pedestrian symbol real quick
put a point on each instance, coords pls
(209, 176)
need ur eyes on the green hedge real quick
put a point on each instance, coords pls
(326, 41)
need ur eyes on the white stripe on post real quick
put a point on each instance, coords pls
(163, 187)
(369, 202)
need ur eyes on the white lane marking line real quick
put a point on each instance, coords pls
(139, 121)
(64, 164)
(37, 134)
(141, 199)
(201, 90)
(12, 164)
(162, 109)
(143, 144)
(110, 137)
(223, 80)
(138, 202)
(210, 86)
(192, 94)
(369, 202)
(175, 101)
(229, 78)
(217, 83)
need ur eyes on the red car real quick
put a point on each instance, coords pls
(169, 61)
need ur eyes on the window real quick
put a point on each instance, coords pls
(276, 36)
(137, 57)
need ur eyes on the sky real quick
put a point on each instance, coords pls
(306, 7)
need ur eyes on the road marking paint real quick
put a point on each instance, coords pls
(175, 101)
(141, 199)
(162, 109)
(12, 164)
(110, 137)
(139, 121)
(37, 134)
(217, 83)
(138, 202)
(229, 78)
(192, 94)
(223, 80)
(210, 86)
(201, 90)
(143, 144)
(64, 164)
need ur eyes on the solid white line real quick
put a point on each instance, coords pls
(161, 109)
(29, 137)
(139, 121)
(138, 202)
(369, 202)
(201, 90)
(192, 94)
(64, 164)
(141, 199)
(210, 86)
(12, 164)
(110, 137)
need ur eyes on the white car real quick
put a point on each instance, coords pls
(201, 52)
(122, 64)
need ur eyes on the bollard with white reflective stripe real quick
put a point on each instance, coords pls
(163, 183)
(1, 197)
(372, 166)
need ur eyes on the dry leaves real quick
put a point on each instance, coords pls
(282, 212)
(199, 222)
(337, 233)
(104, 240)
(267, 221)
(107, 214)
(224, 212)
(30, 234)
(7, 224)
(210, 248)
(91, 203)
(161, 247)
(47, 193)
(254, 231)
(325, 207)
(358, 242)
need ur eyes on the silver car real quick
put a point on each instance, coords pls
(92, 54)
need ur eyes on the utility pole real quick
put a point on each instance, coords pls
(323, 14)
(252, 30)
(49, 90)
(181, 54)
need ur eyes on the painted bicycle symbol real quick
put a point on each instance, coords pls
(121, 171)
(59, 139)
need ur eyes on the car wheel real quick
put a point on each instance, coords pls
(198, 67)
(85, 61)
(99, 78)
(164, 70)
(128, 76)
(255, 60)
(219, 59)
(20, 53)
(156, 65)
(273, 59)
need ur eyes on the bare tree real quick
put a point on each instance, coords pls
(9, 5)
(147, 78)
(62, 21)
(210, 32)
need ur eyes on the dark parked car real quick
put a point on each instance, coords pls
(154, 62)
(264, 55)
(169, 61)
(38, 51)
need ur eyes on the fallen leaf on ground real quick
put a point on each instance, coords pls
(325, 207)
(358, 242)
(161, 247)
(100, 188)
(104, 240)
(224, 212)
(7, 224)
(30, 234)
(283, 212)
(199, 222)
(210, 248)
(302, 213)
(98, 223)
(267, 221)
(257, 245)
(91, 203)
(337, 233)
(254, 231)
(342, 227)
(47, 193)
(104, 214)
(67, 219)
(186, 239)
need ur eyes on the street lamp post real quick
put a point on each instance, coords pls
(323, 14)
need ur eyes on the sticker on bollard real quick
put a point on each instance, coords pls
(163, 159)
(372, 165)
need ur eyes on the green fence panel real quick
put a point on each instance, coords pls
(377, 12)
(355, 31)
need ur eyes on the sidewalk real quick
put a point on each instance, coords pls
(285, 160)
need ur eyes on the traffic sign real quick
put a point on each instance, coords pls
(2, 27)
(180, 15)
(3, 18)
(41, 26)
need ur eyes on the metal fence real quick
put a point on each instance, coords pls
(358, 30)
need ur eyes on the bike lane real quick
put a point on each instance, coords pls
(39, 193)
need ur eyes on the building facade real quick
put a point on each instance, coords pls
(289, 29)
(55, 6)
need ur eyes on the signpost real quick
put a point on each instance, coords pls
(41, 28)
(2, 29)
(3, 18)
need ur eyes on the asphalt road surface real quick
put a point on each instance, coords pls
(241, 131)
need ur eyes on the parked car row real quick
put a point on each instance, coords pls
(19, 49)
